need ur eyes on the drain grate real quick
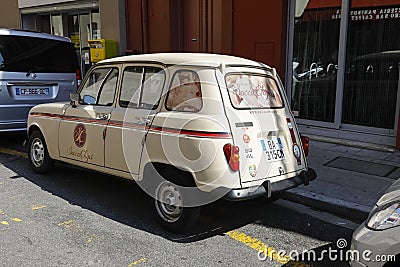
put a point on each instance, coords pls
(362, 166)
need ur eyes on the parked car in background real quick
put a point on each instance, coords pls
(35, 68)
(377, 241)
(189, 128)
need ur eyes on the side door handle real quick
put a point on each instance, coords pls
(143, 121)
(102, 116)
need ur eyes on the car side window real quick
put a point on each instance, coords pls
(130, 88)
(141, 87)
(106, 96)
(185, 92)
(154, 79)
(99, 88)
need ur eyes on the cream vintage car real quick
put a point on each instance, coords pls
(188, 128)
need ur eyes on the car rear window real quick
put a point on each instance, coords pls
(248, 91)
(31, 54)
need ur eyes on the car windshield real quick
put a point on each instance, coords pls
(253, 91)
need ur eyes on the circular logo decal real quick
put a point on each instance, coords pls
(296, 151)
(80, 135)
(246, 138)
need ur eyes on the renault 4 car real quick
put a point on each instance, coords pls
(188, 128)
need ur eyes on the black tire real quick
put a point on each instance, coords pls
(174, 217)
(38, 154)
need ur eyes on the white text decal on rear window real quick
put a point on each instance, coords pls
(253, 91)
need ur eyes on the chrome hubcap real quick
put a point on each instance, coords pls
(169, 202)
(37, 152)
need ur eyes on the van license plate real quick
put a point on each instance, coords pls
(32, 91)
(273, 149)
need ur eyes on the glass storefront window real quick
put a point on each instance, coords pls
(57, 25)
(372, 64)
(85, 31)
(73, 30)
(96, 34)
(315, 59)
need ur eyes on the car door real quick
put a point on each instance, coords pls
(82, 128)
(137, 104)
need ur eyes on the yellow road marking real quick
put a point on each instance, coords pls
(142, 260)
(4, 223)
(38, 207)
(66, 223)
(269, 252)
(16, 220)
(13, 152)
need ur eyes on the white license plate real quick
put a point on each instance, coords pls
(32, 91)
(273, 149)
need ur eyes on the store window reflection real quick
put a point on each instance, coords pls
(315, 59)
(373, 56)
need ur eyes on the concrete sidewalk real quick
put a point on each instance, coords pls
(350, 179)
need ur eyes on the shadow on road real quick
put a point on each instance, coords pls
(124, 202)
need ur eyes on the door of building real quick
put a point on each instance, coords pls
(192, 38)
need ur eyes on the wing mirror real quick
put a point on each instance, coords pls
(88, 99)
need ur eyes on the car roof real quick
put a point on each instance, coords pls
(192, 59)
(17, 32)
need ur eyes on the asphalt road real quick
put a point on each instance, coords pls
(73, 217)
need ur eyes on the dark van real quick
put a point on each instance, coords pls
(34, 68)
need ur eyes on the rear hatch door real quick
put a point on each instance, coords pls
(262, 126)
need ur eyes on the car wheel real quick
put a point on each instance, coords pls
(169, 205)
(38, 154)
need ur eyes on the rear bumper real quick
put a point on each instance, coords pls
(268, 188)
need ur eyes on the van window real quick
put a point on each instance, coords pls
(185, 92)
(253, 91)
(31, 54)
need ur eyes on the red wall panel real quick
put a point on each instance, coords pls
(259, 31)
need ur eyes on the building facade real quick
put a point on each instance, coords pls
(339, 59)
(343, 68)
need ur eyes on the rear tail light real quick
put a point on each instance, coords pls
(78, 76)
(306, 144)
(232, 156)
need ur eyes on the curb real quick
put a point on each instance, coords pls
(13, 152)
(341, 208)
(346, 142)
